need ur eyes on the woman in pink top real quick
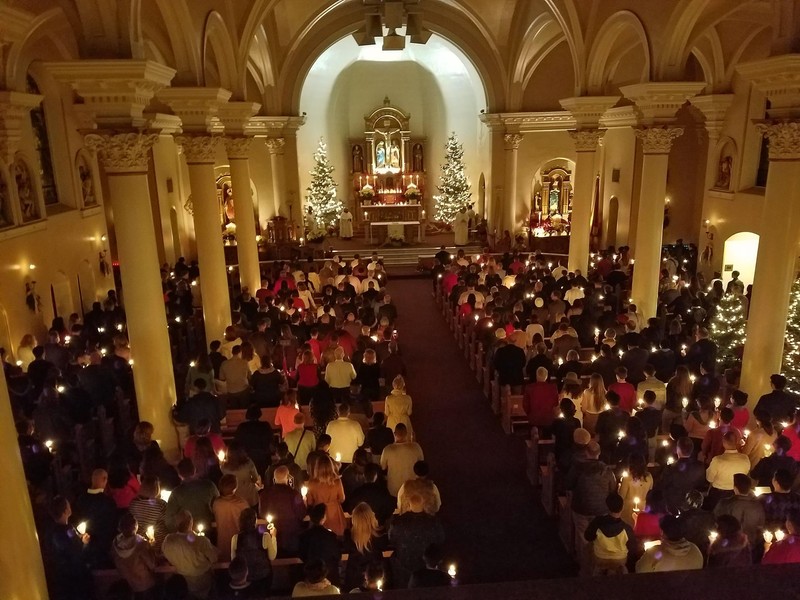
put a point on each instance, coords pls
(284, 416)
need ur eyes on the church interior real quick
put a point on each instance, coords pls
(140, 135)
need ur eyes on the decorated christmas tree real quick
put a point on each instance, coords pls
(728, 331)
(321, 194)
(454, 192)
(791, 356)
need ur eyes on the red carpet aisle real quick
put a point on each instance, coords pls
(496, 526)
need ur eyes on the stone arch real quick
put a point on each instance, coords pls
(217, 43)
(87, 285)
(740, 252)
(179, 25)
(541, 37)
(620, 34)
(451, 22)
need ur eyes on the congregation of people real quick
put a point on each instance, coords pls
(296, 440)
(662, 461)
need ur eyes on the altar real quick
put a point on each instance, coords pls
(388, 177)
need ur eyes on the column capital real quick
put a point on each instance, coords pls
(115, 92)
(197, 107)
(783, 137)
(199, 149)
(238, 147)
(237, 116)
(657, 140)
(588, 110)
(513, 140)
(586, 140)
(281, 126)
(714, 108)
(122, 152)
(778, 78)
(15, 110)
(276, 145)
(657, 103)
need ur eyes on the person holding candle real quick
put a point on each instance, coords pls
(346, 434)
(149, 510)
(320, 543)
(325, 487)
(681, 477)
(721, 470)
(98, 509)
(776, 456)
(787, 549)
(745, 508)
(782, 500)
(712, 442)
(192, 555)
(287, 507)
(258, 546)
(675, 553)
(65, 549)
(364, 544)
(612, 539)
(757, 441)
(134, 556)
(634, 488)
(411, 533)
(227, 510)
(194, 495)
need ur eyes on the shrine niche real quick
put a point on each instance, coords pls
(551, 204)
(86, 179)
(26, 191)
(227, 204)
(388, 170)
(724, 177)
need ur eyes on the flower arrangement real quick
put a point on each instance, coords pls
(412, 194)
(397, 238)
(315, 236)
(367, 193)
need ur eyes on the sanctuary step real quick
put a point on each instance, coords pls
(406, 256)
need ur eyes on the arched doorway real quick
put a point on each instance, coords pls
(611, 222)
(740, 254)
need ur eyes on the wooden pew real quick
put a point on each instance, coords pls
(511, 411)
(548, 485)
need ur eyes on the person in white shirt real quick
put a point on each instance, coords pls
(398, 459)
(651, 382)
(479, 297)
(558, 271)
(423, 486)
(723, 467)
(231, 340)
(575, 292)
(347, 435)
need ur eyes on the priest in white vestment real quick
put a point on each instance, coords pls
(461, 227)
(346, 224)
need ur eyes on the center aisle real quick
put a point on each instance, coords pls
(496, 527)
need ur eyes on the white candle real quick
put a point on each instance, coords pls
(221, 455)
(200, 529)
(151, 533)
(685, 403)
(636, 504)
(165, 494)
(49, 444)
(338, 457)
(779, 535)
(304, 492)
(270, 518)
(768, 537)
(712, 535)
(452, 570)
(81, 527)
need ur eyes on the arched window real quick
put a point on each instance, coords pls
(42, 141)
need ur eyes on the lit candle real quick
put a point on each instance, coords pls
(670, 460)
(67, 339)
(636, 504)
(221, 455)
(338, 457)
(270, 518)
(712, 535)
(560, 361)
(119, 326)
(49, 444)
(61, 389)
(652, 544)
(746, 433)
(779, 535)
(304, 492)
(200, 529)
(620, 353)
(365, 215)
(717, 402)
(379, 585)
(768, 537)
(620, 434)
(130, 362)
(192, 364)
(151, 533)
(685, 403)
(624, 474)
(712, 425)
(784, 424)
(81, 528)
(165, 494)
(452, 570)
(692, 378)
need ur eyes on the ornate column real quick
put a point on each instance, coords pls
(656, 105)
(509, 220)
(236, 117)
(779, 79)
(125, 158)
(656, 144)
(198, 109)
(23, 579)
(201, 155)
(275, 146)
(587, 111)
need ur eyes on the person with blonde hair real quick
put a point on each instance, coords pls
(364, 543)
(593, 402)
(398, 406)
(326, 488)
(25, 351)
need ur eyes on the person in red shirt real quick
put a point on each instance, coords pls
(449, 281)
(712, 442)
(786, 550)
(540, 400)
(741, 415)
(625, 390)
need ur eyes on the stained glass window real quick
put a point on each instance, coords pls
(42, 141)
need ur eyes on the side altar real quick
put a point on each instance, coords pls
(388, 177)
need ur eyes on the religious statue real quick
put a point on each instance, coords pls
(380, 155)
(394, 156)
(346, 224)
(553, 200)
(32, 299)
(358, 160)
(27, 199)
(87, 185)
(724, 173)
(227, 203)
(416, 163)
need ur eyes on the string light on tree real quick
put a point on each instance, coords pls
(791, 357)
(454, 188)
(728, 331)
(321, 194)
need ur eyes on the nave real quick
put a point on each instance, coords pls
(495, 524)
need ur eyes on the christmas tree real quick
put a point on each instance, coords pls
(321, 194)
(728, 331)
(454, 193)
(791, 357)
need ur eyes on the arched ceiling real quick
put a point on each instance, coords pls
(267, 46)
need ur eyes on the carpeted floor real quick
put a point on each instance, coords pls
(496, 527)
